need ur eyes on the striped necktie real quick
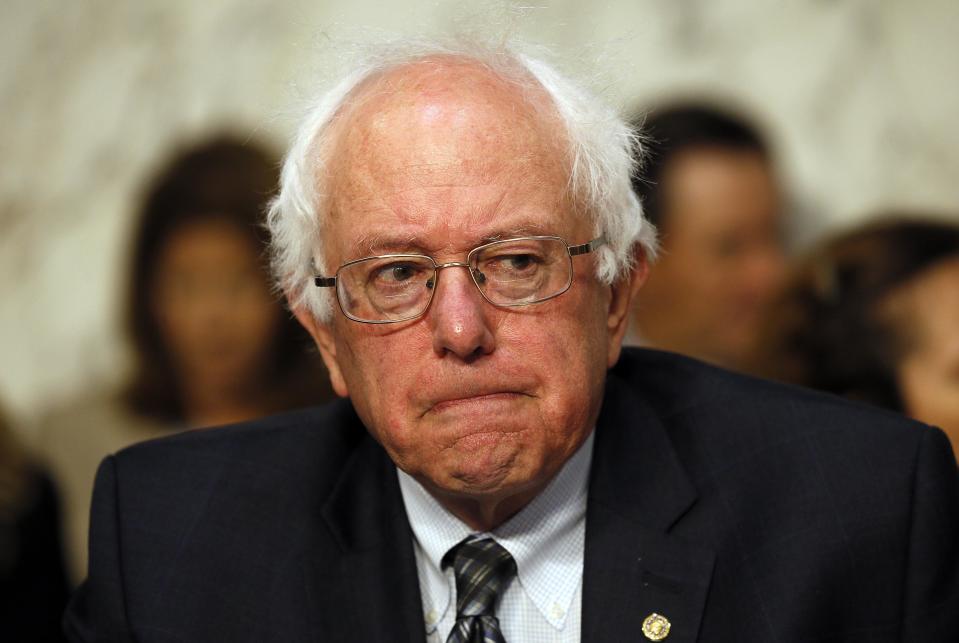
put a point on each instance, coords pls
(482, 569)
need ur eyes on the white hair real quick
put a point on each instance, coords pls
(603, 150)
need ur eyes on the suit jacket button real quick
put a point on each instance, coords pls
(656, 627)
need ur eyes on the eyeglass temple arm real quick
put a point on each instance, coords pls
(583, 249)
(325, 282)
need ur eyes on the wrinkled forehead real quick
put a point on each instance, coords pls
(444, 119)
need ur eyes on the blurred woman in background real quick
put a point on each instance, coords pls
(212, 342)
(873, 314)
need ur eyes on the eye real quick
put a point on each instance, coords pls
(396, 274)
(521, 262)
(401, 273)
(512, 264)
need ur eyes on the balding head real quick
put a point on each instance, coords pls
(442, 86)
(440, 124)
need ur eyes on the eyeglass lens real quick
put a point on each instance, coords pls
(515, 272)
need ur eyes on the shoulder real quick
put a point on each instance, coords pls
(242, 507)
(259, 478)
(312, 442)
(99, 422)
(676, 386)
(72, 439)
(251, 485)
(844, 504)
(719, 422)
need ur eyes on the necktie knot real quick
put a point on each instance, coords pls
(482, 568)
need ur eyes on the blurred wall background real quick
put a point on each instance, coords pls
(860, 98)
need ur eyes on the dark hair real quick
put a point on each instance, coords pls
(222, 179)
(14, 473)
(671, 130)
(830, 330)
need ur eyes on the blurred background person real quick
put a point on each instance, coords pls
(33, 582)
(873, 314)
(709, 186)
(212, 342)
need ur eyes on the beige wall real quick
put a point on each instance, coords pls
(859, 95)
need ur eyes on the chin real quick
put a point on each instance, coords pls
(497, 472)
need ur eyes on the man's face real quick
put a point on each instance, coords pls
(722, 259)
(473, 400)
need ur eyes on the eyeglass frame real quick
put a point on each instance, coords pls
(573, 250)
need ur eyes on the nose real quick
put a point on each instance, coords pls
(458, 317)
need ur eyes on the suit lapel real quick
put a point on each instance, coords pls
(369, 589)
(633, 567)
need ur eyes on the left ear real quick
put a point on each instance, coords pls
(620, 305)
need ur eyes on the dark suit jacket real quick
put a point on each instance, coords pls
(741, 510)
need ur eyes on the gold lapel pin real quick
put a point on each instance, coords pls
(656, 627)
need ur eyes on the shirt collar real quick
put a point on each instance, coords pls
(546, 539)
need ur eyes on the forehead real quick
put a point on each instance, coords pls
(212, 240)
(716, 186)
(445, 147)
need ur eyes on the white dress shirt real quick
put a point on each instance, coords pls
(546, 538)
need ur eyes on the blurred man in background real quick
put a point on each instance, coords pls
(710, 188)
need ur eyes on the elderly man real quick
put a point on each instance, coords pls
(457, 231)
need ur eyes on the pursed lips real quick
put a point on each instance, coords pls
(473, 399)
(453, 400)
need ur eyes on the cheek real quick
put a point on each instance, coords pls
(256, 323)
(380, 373)
(568, 347)
(177, 323)
(690, 282)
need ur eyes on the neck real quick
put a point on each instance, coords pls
(485, 513)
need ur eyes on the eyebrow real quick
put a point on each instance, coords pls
(369, 245)
(378, 243)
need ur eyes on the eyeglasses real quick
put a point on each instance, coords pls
(398, 287)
